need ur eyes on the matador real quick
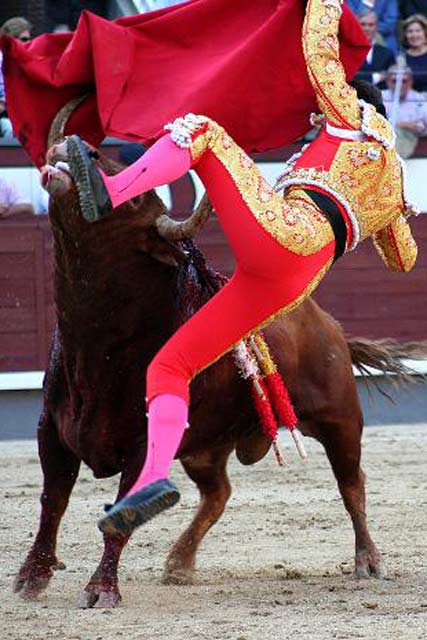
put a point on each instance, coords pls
(346, 185)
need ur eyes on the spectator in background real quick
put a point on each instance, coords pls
(57, 13)
(411, 120)
(11, 202)
(379, 58)
(5, 124)
(387, 14)
(415, 41)
(20, 29)
(407, 8)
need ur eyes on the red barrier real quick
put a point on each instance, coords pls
(360, 292)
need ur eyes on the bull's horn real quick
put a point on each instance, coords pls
(182, 229)
(56, 131)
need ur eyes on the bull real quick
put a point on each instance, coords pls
(122, 287)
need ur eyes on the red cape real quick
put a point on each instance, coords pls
(239, 62)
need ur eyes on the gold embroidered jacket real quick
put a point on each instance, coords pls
(353, 159)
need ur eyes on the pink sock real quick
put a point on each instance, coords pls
(167, 419)
(161, 164)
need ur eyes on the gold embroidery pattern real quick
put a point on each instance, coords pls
(336, 99)
(396, 245)
(296, 222)
(364, 177)
(369, 189)
(375, 126)
(200, 143)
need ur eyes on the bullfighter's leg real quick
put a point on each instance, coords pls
(164, 162)
(282, 248)
(60, 469)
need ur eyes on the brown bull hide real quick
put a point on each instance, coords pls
(120, 292)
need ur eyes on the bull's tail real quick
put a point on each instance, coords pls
(386, 356)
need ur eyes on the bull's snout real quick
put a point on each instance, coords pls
(55, 176)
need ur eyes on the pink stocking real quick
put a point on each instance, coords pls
(167, 419)
(161, 164)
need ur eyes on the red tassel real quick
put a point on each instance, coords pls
(264, 409)
(281, 401)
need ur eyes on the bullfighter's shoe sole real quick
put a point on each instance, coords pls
(143, 505)
(94, 200)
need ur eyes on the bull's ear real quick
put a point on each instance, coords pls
(162, 250)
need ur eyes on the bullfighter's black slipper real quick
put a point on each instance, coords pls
(132, 511)
(95, 202)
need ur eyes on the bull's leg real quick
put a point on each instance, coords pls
(102, 590)
(208, 471)
(342, 443)
(60, 469)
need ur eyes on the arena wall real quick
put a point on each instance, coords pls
(365, 297)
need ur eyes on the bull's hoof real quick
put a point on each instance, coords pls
(369, 564)
(35, 574)
(138, 508)
(180, 577)
(98, 597)
(29, 584)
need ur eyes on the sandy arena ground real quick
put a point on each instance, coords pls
(277, 565)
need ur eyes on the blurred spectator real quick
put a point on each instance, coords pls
(407, 8)
(5, 124)
(415, 41)
(411, 115)
(2, 94)
(6, 130)
(11, 202)
(60, 27)
(379, 58)
(387, 14)
(57, 13)
(18, 28)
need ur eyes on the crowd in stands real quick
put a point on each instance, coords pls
(12, 202)
(18, 28)
(396, 62)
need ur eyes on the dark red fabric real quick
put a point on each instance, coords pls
(239, 62)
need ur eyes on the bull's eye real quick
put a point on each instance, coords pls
(92, 153)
